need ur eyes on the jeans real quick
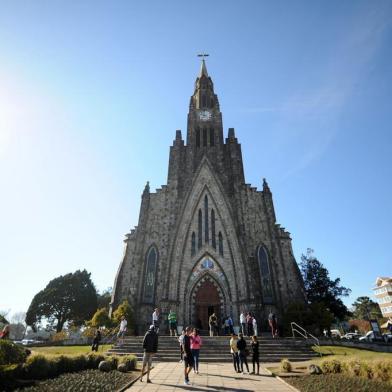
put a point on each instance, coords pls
(255, 360)
(243, 361)
(236, 361)
(196, 353)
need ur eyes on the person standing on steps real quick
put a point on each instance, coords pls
(172, 318)
(234, 352)
(243, 323)
(188, 357)
(255, 354)
(241, 345)
(273, 323)
(156, 319)
(196, 343)
(150, 347)
(213, 323)
(249, 322)
(231, 326)
(254, 326)
(123, 330)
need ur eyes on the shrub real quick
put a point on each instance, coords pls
(10, 353)
(331, 367)
(37, 367)
(129, 360)
(285, 366)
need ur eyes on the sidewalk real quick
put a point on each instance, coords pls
(169, 376)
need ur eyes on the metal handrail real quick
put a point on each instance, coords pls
(303, 332)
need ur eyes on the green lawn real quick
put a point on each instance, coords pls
(55, 350)
(340, 352)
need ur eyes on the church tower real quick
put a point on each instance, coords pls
(207, 241)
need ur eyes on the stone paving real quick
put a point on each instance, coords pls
(169, 376)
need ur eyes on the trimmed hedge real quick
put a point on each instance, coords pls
(10, 353)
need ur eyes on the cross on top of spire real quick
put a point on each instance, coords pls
(203, 68)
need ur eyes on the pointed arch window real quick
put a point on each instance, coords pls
(150, 278)
(200, 231)
(205, 140)
(206, 222)
(265, 274)
(193, 244)
(197, 137)
(212, 137)
(220, 243)
(213, 236)
(203, 101)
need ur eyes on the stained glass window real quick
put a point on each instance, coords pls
(149, 285)
(265, 273)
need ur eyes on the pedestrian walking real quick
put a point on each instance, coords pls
(172, 318)
(249, 322)
(156, 319)
(254, 326)
(243, 352)
(255, 354)
(213, 323)
(243, 323)
(196, 343)
(234, 352)
(122, 330)
(150, 347)
(96, 340)
(188, 358)
(181, 341)
(273, 323)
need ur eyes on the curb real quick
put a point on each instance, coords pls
(287, 384)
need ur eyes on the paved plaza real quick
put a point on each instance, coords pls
(216, 377)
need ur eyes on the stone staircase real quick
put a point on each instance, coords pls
(216, 349)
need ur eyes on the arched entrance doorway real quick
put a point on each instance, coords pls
(207, 300)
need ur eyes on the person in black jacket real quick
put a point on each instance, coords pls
(96, 340)
(150, 346)
(241, 345)
(255, 354)
(188, 357)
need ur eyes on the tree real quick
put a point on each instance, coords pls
(366, 309)
(71, 297)
(3, 315)
(320, 288)
(101, 319)
(105, 298)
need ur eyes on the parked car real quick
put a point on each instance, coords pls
(387, 337)
(351, 336)
(335, 333)
(370, 337)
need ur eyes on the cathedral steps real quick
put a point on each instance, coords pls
(216, 349)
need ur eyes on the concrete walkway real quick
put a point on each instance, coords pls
(169, 376)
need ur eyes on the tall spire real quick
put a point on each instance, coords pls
(203, 69)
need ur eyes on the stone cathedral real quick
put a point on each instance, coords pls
(207, 241)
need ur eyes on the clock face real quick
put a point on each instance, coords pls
(205, 115)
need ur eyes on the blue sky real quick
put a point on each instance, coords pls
(91, 93)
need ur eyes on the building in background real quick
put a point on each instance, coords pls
(383, 294)
(207, 242)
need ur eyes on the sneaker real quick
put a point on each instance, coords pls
(149, 381)
(187, 382)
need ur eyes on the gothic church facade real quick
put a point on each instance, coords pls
(207, 241)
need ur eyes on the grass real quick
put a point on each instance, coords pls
(68, 350)
(337, 383)
(336, 352)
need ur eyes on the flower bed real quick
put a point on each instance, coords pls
(337, 383)
(86, 381)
